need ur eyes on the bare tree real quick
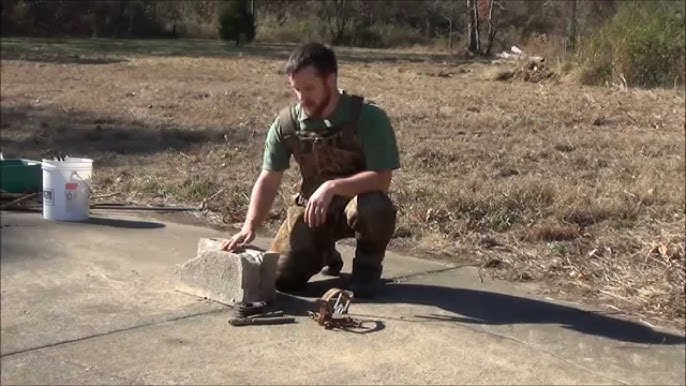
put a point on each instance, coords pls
(451, 12)
(573, 25)
(339, 15)
(473, 27)
(493, 19)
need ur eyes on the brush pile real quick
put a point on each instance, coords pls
(527, 68)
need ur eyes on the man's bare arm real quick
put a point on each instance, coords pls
(362, 182)
(262, 198)
(261, 201)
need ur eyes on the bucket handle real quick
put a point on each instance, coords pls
(73, 173)
(90, 191)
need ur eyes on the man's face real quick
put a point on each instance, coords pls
(311, 91)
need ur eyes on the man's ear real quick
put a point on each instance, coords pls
(331, 81)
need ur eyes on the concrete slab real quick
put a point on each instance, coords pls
(622, 350)
(94, 303)
(65, 281)
(208, 351)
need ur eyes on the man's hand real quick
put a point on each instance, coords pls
(240, 239)
(318, 204)
(261, 199)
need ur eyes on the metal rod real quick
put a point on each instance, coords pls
(133, 207)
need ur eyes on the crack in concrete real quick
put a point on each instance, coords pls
(397, 279)
(30, 349)
(453, 324)
(402, 278)
(83, 338)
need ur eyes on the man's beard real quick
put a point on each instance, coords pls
(319, 109)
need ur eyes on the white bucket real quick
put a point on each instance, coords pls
(66, 189)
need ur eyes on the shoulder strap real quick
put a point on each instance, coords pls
(287, 122)
(288, 126)
(350, 127)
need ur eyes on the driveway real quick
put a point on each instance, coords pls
(95, 302)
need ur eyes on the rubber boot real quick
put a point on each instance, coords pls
(333, 263)
(365, 281)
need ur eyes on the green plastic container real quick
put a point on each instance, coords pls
(21, 176)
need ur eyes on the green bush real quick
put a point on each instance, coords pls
(384, 36)
(236, 22)
(642, 46)
(367, 37)
(292, 30)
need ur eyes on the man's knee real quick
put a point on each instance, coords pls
(286, 282)
(291, 233)
(294, 269)
(372, 213)
(289, 274)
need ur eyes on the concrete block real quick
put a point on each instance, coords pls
(209, 244)
(228, 277)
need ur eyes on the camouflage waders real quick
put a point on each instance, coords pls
(370, 217)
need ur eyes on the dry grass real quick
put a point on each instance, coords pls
(578, 187)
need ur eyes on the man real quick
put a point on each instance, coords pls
(346, 150)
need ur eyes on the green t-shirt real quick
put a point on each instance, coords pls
(374, 131)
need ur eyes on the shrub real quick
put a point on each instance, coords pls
(642, 45)
(236, 22)
(384, 36)
(293, 30)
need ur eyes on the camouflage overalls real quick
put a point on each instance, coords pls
(369, 217)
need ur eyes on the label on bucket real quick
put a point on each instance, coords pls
(70, 190)
(48, 197)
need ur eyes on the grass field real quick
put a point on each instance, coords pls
(580, 189)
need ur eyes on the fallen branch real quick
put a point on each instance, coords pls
(134, 207)
(11, 196)
(24, 209)
(107, 195)
(18, 200)
(582, 284)
(210, 198)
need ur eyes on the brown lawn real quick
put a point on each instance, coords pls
(578, 188)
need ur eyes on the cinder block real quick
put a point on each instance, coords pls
(209, 244)
(227, 277)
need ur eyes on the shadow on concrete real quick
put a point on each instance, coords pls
(490, 308)
(15, 248)
(124, 223)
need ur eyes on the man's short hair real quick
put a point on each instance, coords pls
(322, 58)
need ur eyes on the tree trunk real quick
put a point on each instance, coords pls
(238, 30)
(473, 27)
(491, 29)
(571, 41)
(120, 18)
(450, 34)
